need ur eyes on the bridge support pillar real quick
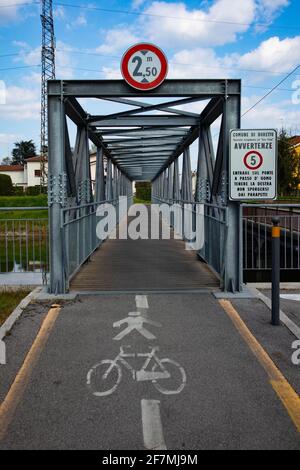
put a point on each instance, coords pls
(56, 193)
(233, 279)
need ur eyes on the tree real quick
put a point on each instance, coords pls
(22, 150)
(288, 165)
(6, 161)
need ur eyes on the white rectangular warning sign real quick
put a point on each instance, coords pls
(253, 164)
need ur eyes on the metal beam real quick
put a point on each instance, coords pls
(142, 141)
(141, 121)
(77, 114)
(162, 131)
(144, 149)
(143, 109)
(146, 105)
(119, 88)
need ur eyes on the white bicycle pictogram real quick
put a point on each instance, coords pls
(103, 378)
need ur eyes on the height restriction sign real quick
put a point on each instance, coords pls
(144, 66)
(253, 164)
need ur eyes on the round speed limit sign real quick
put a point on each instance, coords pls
(144, 66)
(253, 160)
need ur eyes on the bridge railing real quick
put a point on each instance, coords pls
(211, 223)
(79, 227)
(24, 240)
(256, 227)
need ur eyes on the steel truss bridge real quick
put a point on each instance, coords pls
(144, 142)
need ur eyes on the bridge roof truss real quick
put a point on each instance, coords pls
(146, 138)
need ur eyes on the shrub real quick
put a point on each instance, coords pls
(143, 190)
(33, 191)
(18, 191)
(6, 186)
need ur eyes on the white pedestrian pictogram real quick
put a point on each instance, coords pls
(135, 321)
(167, 376)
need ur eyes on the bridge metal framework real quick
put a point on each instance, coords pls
(143, 142)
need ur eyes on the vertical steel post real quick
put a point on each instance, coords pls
(100, 183)
(187, 192)
(176, 185)
(109, 181)
(233, 257)
(275, 272)
(115, 183)
(170, 182)
(201, 184)
(57, 193)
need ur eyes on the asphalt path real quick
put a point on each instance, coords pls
(224, 398)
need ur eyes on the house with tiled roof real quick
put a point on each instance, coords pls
(26, 175)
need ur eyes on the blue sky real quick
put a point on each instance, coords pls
(255, 40)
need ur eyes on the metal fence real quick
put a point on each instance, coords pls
(79, 227)
(212, 228)
(257, 224)
(24, 241)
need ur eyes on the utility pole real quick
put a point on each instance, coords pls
(48, 72)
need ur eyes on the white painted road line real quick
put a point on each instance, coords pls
(2, 353)
(141, 301)
(152, 427)
(295, 297)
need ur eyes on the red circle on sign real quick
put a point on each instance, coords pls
(134, 83)
(259, 163)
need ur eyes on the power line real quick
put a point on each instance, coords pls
(13, 5)
(183, 64)
(83, 69)
(19, 67)
(271, 91)
(136, 13)
(131, 12)
(10, 55)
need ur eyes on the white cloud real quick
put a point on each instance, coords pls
(199, 26)
(31, 56)
(79, 22)
(268, 9)
(117, 39)
(200, 63)
(274, 54)
(10, 13)
(275, 115)
(64, 63)
(9, 138)
(137, 3)
(21, 104)
(176, 25)
(59, 13)
(111, 73)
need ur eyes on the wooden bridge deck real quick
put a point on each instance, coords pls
(128, 265)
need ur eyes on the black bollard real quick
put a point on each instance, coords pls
(275, 272)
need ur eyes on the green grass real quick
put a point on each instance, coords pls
(19, 214)
(23, 201)
(9, 301)
(289, 199)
